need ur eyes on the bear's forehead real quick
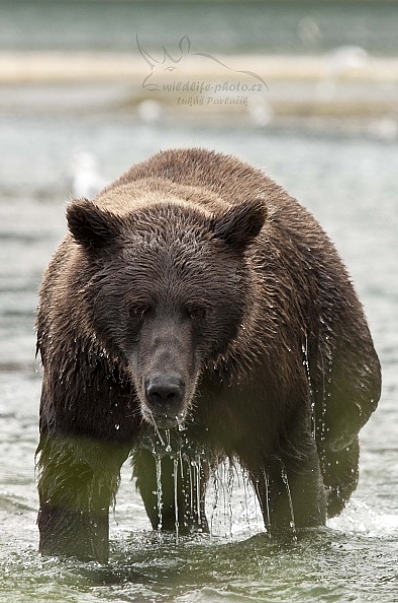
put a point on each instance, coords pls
(172, 241)
(164, 255)
(164, 228)
(172, 283)
(183, 254)
(166, 241)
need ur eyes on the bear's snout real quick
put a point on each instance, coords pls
(164, 396)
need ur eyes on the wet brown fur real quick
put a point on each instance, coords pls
(286, 394)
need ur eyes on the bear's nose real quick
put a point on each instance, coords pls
(164, 390)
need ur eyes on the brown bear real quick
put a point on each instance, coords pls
(194, 305)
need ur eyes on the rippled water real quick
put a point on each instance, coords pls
(350, 183)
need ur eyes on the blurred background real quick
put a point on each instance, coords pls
(314, 67)
(312, 60)
(307, 91)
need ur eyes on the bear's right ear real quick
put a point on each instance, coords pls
(90, 226)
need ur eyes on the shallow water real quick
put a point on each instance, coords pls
(350, 183)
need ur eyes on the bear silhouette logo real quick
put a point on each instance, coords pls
(166, 72)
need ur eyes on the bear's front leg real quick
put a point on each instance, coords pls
(78, 480)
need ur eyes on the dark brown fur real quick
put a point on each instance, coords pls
(195, 290)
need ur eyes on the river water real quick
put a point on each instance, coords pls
(349, 181)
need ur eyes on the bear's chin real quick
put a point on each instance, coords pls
(163, 420)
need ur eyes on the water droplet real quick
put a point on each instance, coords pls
(168, 448)
(158, 433)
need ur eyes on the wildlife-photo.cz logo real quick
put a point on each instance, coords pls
(212, 81)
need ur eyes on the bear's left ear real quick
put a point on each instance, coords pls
(91, 227)
(241, 223)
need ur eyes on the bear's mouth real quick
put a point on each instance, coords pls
(162, 419)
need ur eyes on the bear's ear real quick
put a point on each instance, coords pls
(241, 223)
(90, 226)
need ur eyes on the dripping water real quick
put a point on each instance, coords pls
(246, 498)
(326, 378)
(251, 504)
(170, 444)
(157, 430)
(229, 492)
(223, 472)
(289, 496)
(226, 512)
(175, 478)
(159, 450)
(258, 493)
(168, 448)
(197, 467)
(191, 489)
(306, 364)
(219, 510)
(215, 480)
(267, 511)
(159, 490)
(223, 509)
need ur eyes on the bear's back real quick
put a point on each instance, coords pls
(221, 175)
(215, 181)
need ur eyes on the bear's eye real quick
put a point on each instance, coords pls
(139, 309)
(196, 311)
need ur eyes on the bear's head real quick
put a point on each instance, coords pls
(166, 290)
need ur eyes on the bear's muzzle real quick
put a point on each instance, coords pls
(164, 400)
